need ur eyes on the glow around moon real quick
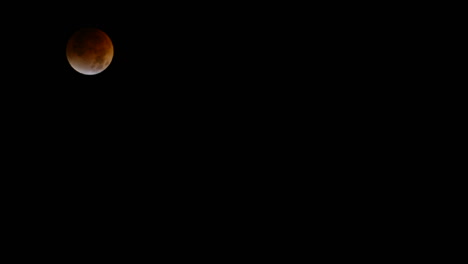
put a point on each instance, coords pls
(89, 51)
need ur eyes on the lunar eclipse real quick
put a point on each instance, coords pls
(89, 51)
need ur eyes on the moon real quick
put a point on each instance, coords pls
(90, 51)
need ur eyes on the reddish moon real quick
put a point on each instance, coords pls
(89, 51)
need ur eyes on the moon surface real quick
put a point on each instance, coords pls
(89, 51)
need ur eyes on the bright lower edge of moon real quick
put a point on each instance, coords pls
(89, 51)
